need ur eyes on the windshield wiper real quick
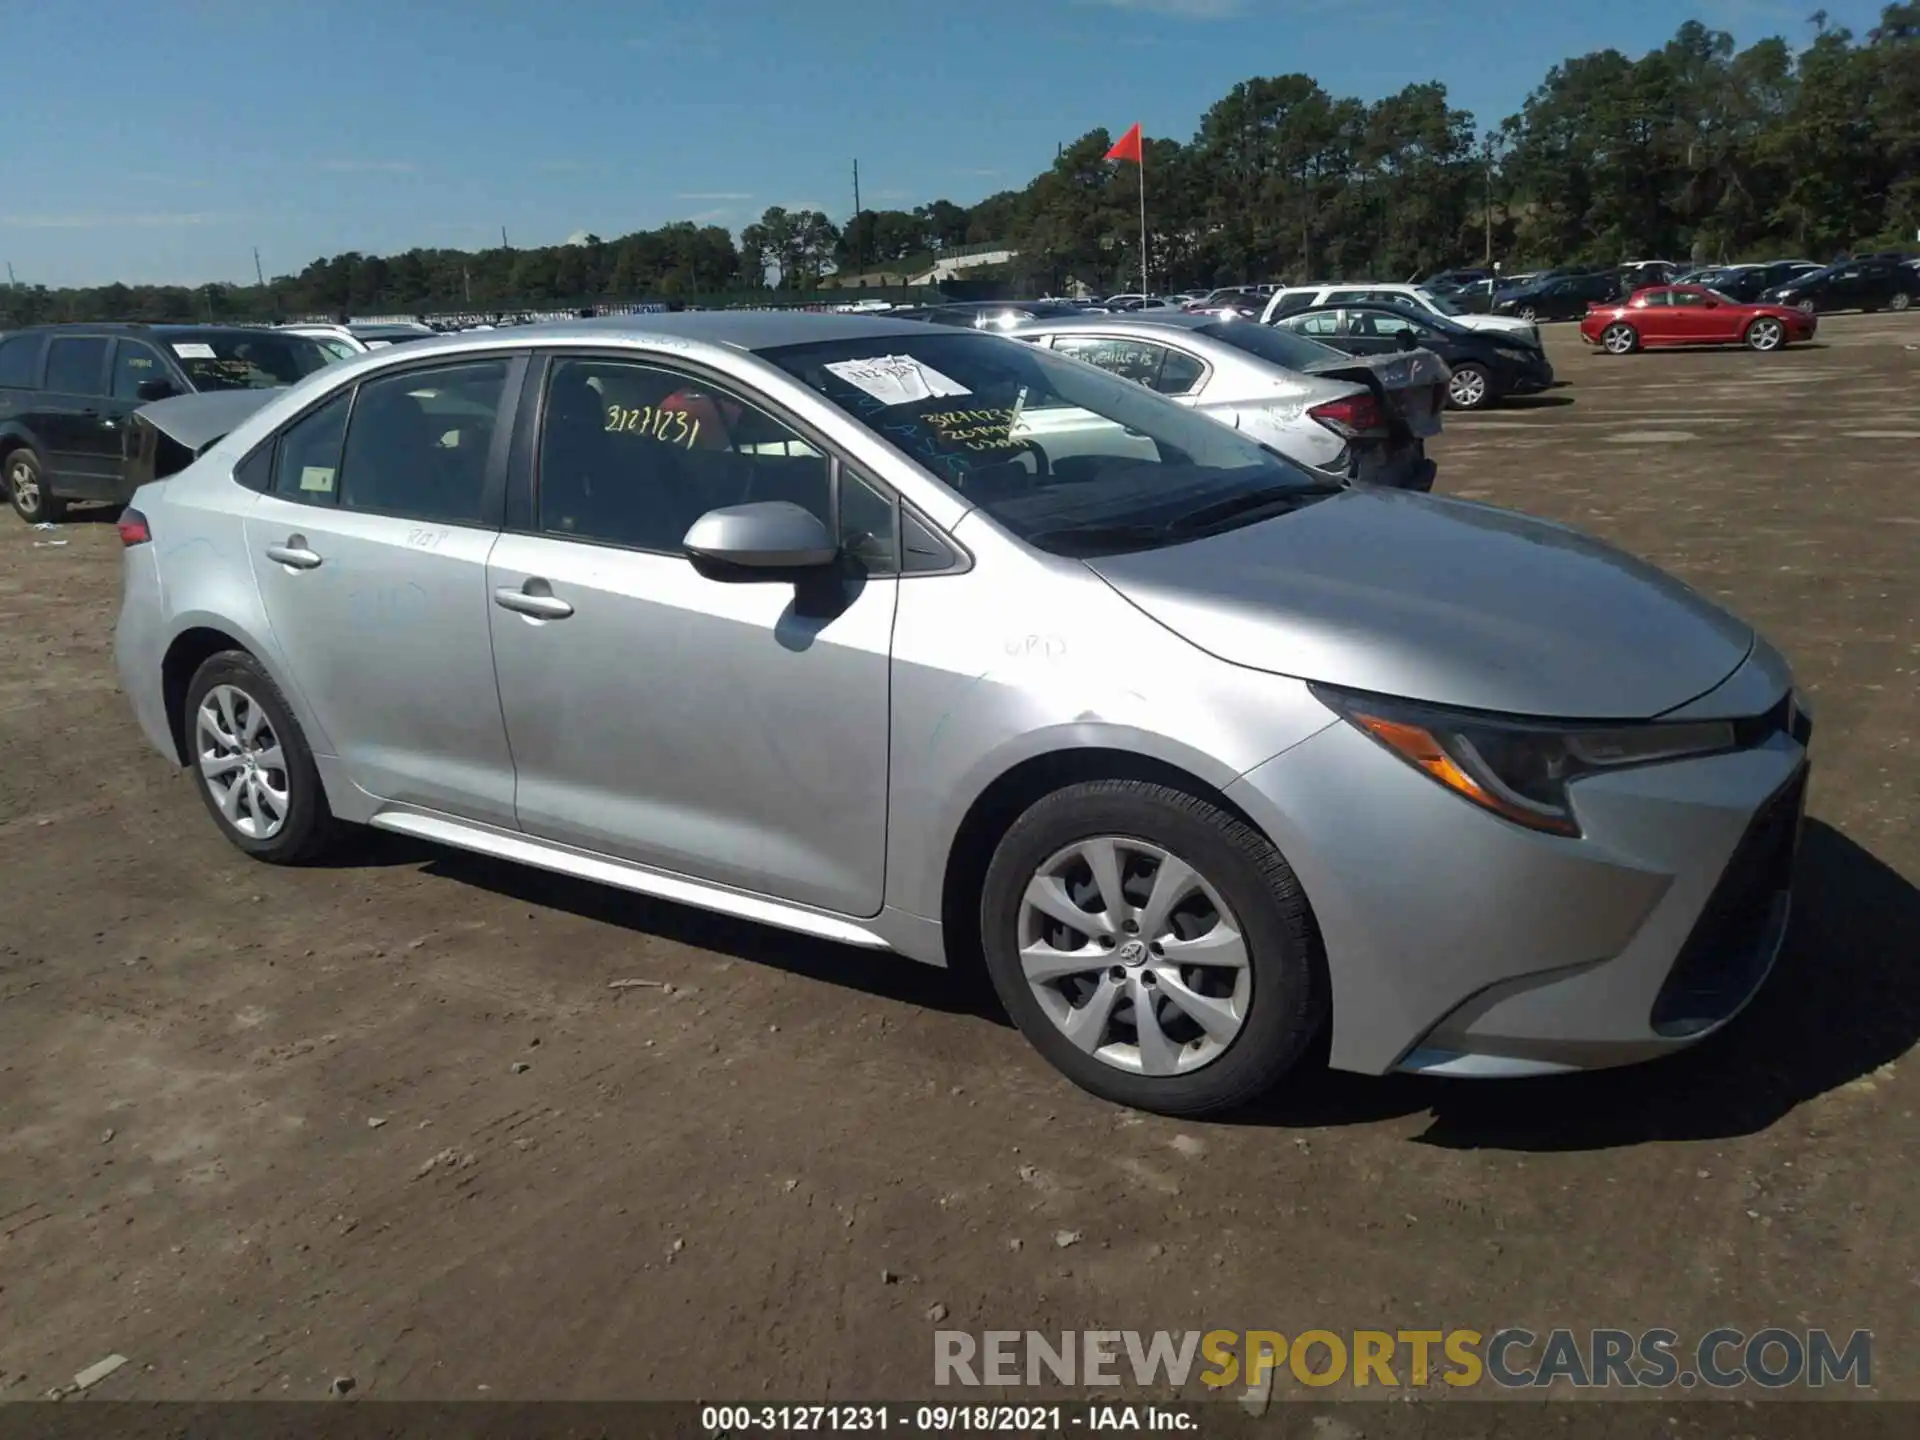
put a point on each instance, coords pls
(1255, 504)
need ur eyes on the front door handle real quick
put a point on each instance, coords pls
(535, 598)
(293, 553)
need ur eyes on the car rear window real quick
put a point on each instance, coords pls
(1277, 347)
(19, 360)
(246, 360)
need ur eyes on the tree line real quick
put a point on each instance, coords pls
(1699, 150)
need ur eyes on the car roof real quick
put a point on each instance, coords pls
(1159, 319)
(741, 329)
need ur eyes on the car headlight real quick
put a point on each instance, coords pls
(1519, 769)
(1517, 352)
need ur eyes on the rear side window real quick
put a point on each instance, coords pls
(19, 360)
(306, 465)
(75, 365)
(418, 442)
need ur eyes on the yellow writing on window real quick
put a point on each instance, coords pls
(669, 427)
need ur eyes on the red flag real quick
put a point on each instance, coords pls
(1127, 147)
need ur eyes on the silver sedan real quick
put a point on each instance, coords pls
(1344, 417)
(929, 641)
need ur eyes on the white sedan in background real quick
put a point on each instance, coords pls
(1309, 297)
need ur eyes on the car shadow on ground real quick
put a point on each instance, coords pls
(1546, 400)
(1843, 1000)
(875, 972)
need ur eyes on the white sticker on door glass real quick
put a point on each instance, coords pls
(193, 350)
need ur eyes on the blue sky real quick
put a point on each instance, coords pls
(161, 140)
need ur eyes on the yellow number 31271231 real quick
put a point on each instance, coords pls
(669, 427)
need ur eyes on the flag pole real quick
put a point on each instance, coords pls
(1145, 289)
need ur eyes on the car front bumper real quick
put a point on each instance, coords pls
(1460, 944)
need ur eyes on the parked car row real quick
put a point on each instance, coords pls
(1213, 759)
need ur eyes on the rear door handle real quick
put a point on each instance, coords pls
(535, 598)
(293, 552)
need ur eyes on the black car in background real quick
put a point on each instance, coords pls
(1870, 283)
(1558, 297)
(1747, 283)
(1487, 365)
(67, 393)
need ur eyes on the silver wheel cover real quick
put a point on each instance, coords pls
(22, 485)
(1134, 956)
(1467, 388)
(241, 763)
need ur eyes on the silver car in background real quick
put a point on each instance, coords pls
(1344, 417)
(876, 631)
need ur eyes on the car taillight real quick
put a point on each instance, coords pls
(1351, 414)
(133, 528)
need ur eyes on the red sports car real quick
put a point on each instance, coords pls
(1692, 315)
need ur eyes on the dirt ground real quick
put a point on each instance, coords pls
(260, 1128)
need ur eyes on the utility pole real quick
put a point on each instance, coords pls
(11, 282)
(258, 274)
(1486, 146)
(505, 244)
(859, 236)
(466, 281)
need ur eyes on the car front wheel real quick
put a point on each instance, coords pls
(1900, 300)
(1154, 948)
(251, 762)
(1766, 334)
(1469, 388)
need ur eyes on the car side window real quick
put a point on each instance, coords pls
(1685, 297)
(1323, 322)
(632, 454)
(1659, 298)
(418, 441)
(76, 365)
(869, 529)
(19, 361)
(134, 363)
(1158, 367)
(306, 461)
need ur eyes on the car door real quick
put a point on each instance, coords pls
(370, 549)
(732, 732)
(81, 439)
(134, 364)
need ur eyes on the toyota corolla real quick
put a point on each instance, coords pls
(931, 641)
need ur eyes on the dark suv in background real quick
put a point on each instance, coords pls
(67, 393)
(1558, 297)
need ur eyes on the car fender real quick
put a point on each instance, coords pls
(13, 434)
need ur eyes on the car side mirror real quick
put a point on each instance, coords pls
(762, 540)
(158, 388)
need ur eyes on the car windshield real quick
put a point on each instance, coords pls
(1066, 456)
(247, 359)
(1282, 347)
(1440, 303)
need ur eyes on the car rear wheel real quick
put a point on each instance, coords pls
(27, 489)
(1900, 300)
(1528, 313)
(251, 762)
(1805, 307)
(1766, 333)
(1469, 388)
(1620, 338)
(1154, 948)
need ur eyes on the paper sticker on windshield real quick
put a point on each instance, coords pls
(896, 379)
(193, 350)
(316, 477)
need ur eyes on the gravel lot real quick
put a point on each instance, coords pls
(261, 1128)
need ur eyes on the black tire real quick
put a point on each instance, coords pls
(309, 826)
(1471, 368)
(1806, 307)
(1289, 993)
(44, 507)
(1765, 334)
(1900, 300)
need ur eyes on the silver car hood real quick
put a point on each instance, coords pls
(197, 421)
(1443, 601)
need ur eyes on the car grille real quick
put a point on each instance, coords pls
(1732, 943)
